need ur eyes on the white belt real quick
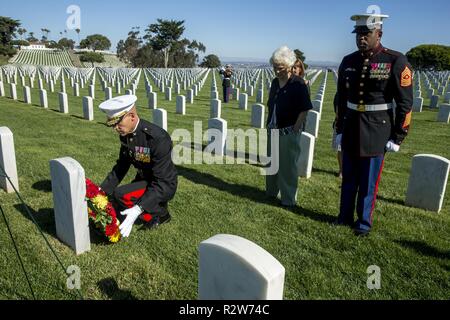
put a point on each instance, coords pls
(369, 107)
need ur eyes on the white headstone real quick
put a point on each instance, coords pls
(51, 86)
(92, 91)
(434, 101)
(417, 104)
(190, 96)
(217, 136)
(243, 101)
(69, 192)
(63, 103)
(27, 95)
(76, 90)
(8, 160)
(317, 106)
(152, 100)
(88, 108)
(108, 93)
(216, 109)
(234, 268)
(169, 94)
(236, 94)
(214, 95)
(444, 113)
(447, 97)
(43, 98)
(307, 143)
(2, 89)
(312, 123)
(13, 91)
(260, 96)
(427, 182)
(63, 86)
(258, 116)
(160, 118)
(181, 105)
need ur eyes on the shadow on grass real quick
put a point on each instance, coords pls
(248, 192)
(234, 154)
(44, 185)
(425, 249)
(393, 201)
(45, 218)
(110, 288)
(332, 173)
(239, 190)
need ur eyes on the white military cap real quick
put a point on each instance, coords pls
(368, 21)
(117, 107)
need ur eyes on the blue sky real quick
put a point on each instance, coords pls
(247, 28)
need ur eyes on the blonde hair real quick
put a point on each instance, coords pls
(283, 55)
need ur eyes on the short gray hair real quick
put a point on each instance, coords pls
(283, 55)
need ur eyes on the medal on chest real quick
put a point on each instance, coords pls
(142, 154)
(380, 71)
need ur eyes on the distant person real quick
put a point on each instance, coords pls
(148, 148)
(299, 71)
(288, 105)
(227, 72)
(369, 80)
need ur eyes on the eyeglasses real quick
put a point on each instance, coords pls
(112, 124)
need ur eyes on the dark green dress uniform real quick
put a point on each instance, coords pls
(367, 85)
(149, 150)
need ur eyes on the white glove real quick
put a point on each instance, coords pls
(392, 147)
(132, 214)
(339, 142)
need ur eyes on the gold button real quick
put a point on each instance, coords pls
(361, 101)
(365, 68)
(363, 76)
(361, 93)
(367, 60)
(361, 84)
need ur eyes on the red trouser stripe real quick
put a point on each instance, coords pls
(376, 192)
(127, 199)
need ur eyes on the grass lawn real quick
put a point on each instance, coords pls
(411, 246)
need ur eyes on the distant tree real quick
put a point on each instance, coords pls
(67, 44)
(146, 57)
(54, 45)
(300, 55)
(31, 37)
(211, 61)
(96, 42)
(92, 57)
(128, 49)
(78, 34)
(21, 32)
(8, 28)
(431, 56)
(163, 35)
(20, 43)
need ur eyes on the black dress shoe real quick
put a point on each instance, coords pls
(157, 221)
(337, 222)
(361, 232)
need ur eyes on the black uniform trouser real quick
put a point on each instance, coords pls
(127, 196)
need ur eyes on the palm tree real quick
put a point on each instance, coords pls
(78, 32)
(21, 31)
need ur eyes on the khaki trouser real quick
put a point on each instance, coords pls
(285, 181)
